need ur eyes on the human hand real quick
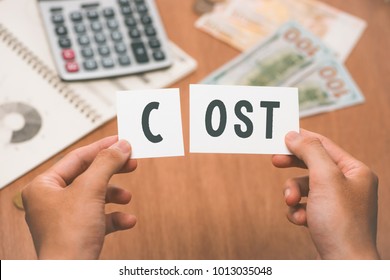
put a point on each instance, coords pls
(340, 210)
(65, 205)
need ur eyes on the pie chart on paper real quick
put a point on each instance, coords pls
(19, 122)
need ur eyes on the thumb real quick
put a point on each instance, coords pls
(310, 150)
(105, 165)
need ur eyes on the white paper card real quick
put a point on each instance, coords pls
(242, 119)
(151, 121)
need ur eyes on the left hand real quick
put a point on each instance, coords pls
(65, 206)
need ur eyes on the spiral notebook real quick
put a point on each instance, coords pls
(40, 115)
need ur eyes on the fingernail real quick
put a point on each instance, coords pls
(122, 145)
(292, 135)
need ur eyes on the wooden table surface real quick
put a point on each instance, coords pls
(213, 206)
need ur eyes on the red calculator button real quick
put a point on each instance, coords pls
(68, 54)
(72, 67)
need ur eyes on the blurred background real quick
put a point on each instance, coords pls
(212, 206)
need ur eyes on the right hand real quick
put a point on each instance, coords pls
(341, 207)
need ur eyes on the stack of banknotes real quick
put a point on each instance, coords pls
(293, 57)
(242, 23)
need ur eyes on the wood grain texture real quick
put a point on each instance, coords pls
(209, 206)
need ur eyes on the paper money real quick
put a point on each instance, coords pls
(290, 50)
(325, 86)
(242, 23)
(293, 57)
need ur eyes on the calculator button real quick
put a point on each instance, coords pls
(57, 18)
(150, 31)
(96, 26)
(126, 10)
(124, 60)
(130, 21)
(120, 48)
(141, 8)
(92, 14)
(108, 12)
(100, 38)
(146, 19)
(68, 54)
(87, 52)
(90, 64)
(72, 67)
(83, 40)
(123, 2)
(139, 51)
(112, 23)
(134, 33)
(154, 43)
(61, 30)
(116, 36)
(103, 50)
(64, 42)
(158, 55)
(139, 1)
(79, 28)
(107, 62)
(76, 16)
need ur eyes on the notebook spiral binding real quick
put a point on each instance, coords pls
(47, 74)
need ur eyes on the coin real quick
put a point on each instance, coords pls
(17, 200)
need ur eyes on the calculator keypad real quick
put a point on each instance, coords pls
(105, 39)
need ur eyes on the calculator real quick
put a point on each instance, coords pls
(104, 38)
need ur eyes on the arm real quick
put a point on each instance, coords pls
(65, 205)
(341, 206)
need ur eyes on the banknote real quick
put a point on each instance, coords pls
(293, 57)
(325, 86)
(242, 23)
(289, 50)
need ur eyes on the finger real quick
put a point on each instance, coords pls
(344, 160)
(129, 166)
(310, 150)
(117, 195)
(297, 215)
(77, 161)
(286, 161)
(119, 221)
(106, 164)
(295, 189)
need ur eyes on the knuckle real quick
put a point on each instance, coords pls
(110, 154)
(29, 191)
(76, 156)
(29, 188)
(290, 182)
(312, 141)
(369, 175)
